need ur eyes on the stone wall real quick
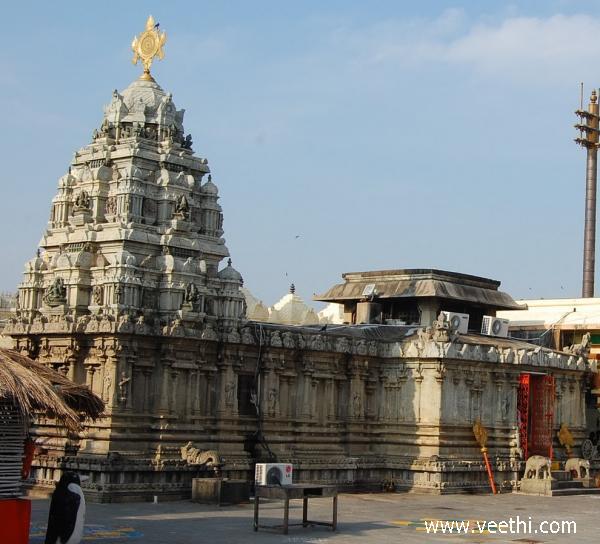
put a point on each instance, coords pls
(343, 407)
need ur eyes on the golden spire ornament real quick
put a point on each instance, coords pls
(147, 45)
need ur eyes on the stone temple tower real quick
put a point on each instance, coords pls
(126, 285)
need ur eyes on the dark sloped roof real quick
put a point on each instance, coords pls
(418, 283)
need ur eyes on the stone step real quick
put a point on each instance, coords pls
(566, 484)
(575, 491)
(561, 475)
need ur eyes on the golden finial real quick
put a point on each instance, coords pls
(148, 45)
(594, 97)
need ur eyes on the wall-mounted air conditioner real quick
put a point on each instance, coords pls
(494, 326)
(273, 473)
(458, 322)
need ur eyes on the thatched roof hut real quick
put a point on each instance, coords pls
(28, 387)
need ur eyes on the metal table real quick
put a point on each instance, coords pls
(291, 492)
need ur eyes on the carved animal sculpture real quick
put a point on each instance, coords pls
(194, 456)
(537, 467)
(580, 466)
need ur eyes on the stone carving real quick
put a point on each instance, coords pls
(233, 336)
(176, 328)
(82, 201)
(123, 387)
(125, 324)
(118, 295)
(195, 456)
(82, 322)
(505, 407)
(97, 295)
(276, 340)
(107, 389)
(209, 333)
(106, 324)
(582, 349)
(191, 297)
(356, 405)
(110, 208)
(247, 337)
(182, 208)
(187, 142)
(538, 467)
(581, 467)
(272, 400)
(140, 325)
(56, 293)
(229, 394)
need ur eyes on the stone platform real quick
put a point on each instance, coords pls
(560, 484)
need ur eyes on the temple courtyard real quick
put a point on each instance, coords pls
(365, 518)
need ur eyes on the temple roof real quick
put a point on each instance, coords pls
(420, 283)
(143, 101)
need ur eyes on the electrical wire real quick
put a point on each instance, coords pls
(255, 396)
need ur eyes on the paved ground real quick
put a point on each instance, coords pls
(364, 518)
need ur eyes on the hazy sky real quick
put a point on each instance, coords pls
(385, 134)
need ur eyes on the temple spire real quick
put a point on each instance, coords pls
(147, 45)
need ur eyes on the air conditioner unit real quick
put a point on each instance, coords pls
(273, 473)
(458, 322)
(494, 326)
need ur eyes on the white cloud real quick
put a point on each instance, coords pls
(520, 44)
(561, 46)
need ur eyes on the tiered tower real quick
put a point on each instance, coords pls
(127, 269)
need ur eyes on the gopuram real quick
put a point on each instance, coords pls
(129, 294)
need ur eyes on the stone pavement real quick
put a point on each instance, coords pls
(364, 518)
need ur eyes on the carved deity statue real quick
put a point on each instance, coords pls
(111, 205)
(191, 296)
(123, 388)
(187, 142)
(82, 201)
(56, 293)
(182, 208)
(229, 394)
(119, 291)
(97, 295)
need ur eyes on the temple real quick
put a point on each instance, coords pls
(131, 292)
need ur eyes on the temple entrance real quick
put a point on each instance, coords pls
(535, 410)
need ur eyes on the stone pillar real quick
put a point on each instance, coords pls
(165, 389)
(174, 396)
(330, 399)
(89, 380)
(148, 391)
(209, 392)
(109, 378)
(227, 401)
(190, 392)
(497, 411)
(418, 378)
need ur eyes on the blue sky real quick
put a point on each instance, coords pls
(385, 134)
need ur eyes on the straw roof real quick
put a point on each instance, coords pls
(34, 387)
